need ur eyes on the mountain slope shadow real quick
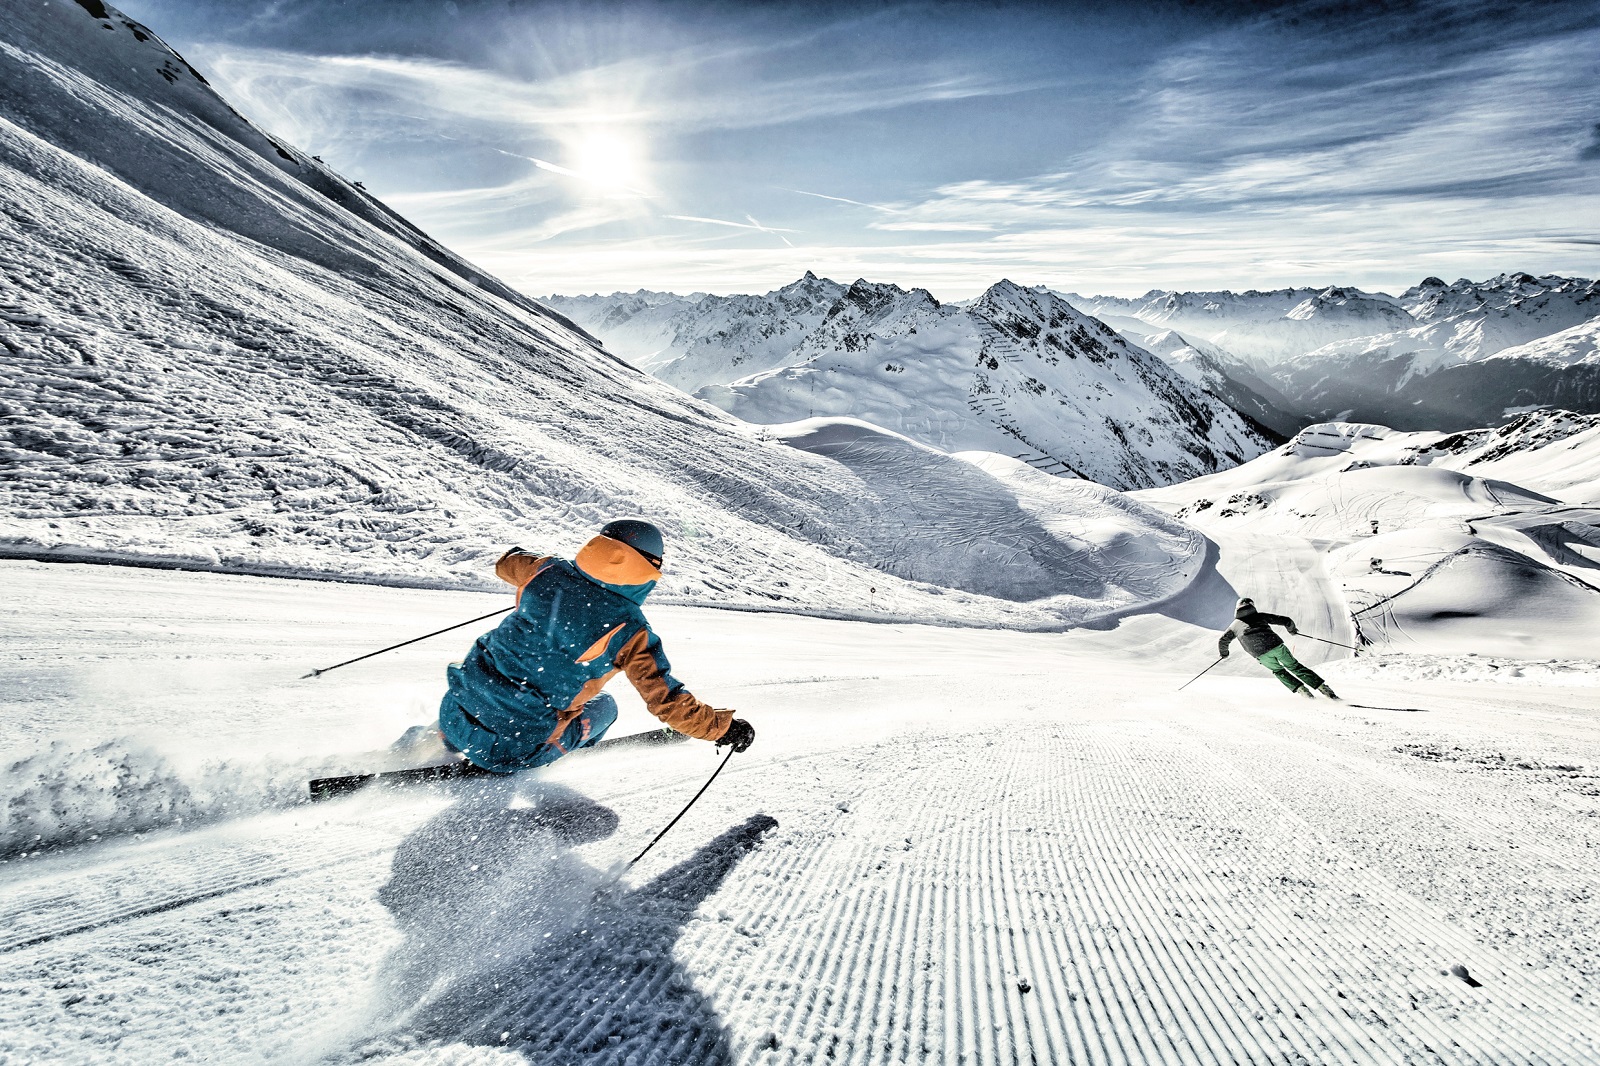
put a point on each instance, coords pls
(513, 942)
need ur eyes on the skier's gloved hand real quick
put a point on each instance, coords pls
(1224, 654)
(741, 734)
(1293, 632)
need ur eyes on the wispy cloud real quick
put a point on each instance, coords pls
(1371, 144)
(752, 224)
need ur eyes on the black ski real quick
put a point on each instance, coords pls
(1370, 707)
(329, 787)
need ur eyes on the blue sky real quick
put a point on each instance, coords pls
(1107, 148)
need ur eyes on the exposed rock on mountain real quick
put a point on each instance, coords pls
(1015, 371)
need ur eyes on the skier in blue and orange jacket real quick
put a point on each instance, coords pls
(529, 690)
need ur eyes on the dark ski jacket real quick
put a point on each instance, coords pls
(1251, 627)
(576, 625)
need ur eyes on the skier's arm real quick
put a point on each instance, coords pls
(1223, 642)
(1279, 620)
(647, 667)
(518, 567)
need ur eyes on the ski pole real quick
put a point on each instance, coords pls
(1201, 674)
(403, 643)
(1325, 640)
(685, 810)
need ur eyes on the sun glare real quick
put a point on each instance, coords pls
(609, 159)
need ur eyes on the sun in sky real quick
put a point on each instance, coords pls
(609, 158)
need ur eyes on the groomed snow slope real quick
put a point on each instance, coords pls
(219, 355)
(946, 845)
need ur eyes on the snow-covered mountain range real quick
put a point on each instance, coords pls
(1263, 328)
(695, 340)
(1409, 361)
(221, 354)
(1016, 371)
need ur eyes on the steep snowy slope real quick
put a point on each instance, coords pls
(1220, 374)
(1264, 328)
(1015, 371)
(218, 354)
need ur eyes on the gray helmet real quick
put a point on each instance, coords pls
(643, 537)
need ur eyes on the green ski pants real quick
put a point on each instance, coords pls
(1286, 668)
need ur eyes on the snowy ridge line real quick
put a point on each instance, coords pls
(1402, 920)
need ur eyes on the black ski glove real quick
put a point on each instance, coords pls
(741, 734)
(1224, 654)
(1293, 632)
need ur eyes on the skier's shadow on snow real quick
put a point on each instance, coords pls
(513, 941)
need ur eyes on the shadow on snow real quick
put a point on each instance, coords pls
(514, 942)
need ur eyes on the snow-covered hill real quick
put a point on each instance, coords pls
(220, 354)
(1016, 371)
(1439, 541)
(722, 344)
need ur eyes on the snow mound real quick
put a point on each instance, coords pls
(993, 525)
(1433, 590)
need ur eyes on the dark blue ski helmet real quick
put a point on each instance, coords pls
(643, 537)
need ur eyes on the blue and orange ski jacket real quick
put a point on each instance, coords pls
(576, 625)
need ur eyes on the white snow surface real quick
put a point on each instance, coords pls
(945, 845)
(1480, 542)
(1016, 371)
(1573, 346)
(220, 355)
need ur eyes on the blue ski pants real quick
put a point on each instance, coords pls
(528, 748)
